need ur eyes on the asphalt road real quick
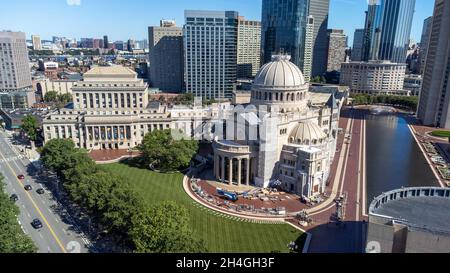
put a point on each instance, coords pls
(59, 233)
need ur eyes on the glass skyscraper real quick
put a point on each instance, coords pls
(286, 26)
(388, 29)
(284, 29)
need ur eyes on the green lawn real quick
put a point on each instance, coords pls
(220, 232)
(440, 133)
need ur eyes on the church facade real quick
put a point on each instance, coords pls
(296, 133)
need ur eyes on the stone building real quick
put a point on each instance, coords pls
(286, 135)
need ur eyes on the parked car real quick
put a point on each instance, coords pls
(40, 191)
(21, 176)
(28, 188)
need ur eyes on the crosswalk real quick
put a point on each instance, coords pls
(234, 218)
(12, 158)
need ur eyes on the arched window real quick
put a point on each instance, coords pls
(270, 96)
(293, 97)
(276, 96)
(287, 97)
(281, 96)
(265, 95)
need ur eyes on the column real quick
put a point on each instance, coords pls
(216, 166)
(230, 171)
(239, 171)
(247, 178)
(107, 100)
(222, 175)
(88, 101)
(66, 131)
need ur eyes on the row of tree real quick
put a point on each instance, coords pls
(409, 102)
(116, 208)
(12, 238)
(55, 97)
(184, 99)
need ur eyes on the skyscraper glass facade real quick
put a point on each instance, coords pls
(284, 29)
(388, 29)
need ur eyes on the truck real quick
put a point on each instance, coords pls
(226, 194)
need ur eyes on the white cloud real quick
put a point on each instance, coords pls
(73, 2)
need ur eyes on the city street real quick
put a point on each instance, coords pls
(58, 234)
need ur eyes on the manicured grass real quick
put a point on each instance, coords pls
(440, 133)
(221, 233)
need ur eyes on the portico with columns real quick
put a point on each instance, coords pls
(234, 164)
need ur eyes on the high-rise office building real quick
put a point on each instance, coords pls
(87, 43)
(105, 41)
(131, 44)
(210, 47)
(309, 44)
(166, 57)
(357, 49)
(248, 48)
(388, 29)
(36, 40)
(426, 31)
(283, 30)
(434, 108)
(15, 76)
(337, 46)
(97, 43)
(142, 44)
(319, 10)
(119, 45)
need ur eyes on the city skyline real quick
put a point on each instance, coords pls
(77, 19)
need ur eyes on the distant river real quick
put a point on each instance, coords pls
(393, 158)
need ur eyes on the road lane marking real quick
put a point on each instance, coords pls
(364, 193)
(358, 187)
(35, 206)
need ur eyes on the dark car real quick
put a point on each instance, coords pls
(28, 188)
(36, 224)
(21, 176)
(40, 191)
(14, 197)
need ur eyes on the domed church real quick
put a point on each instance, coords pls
(294, 137)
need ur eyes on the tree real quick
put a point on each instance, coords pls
(30, 125)
(164, 228)
(64, 98)
(12, 238)
(76, 161)
(163, 152)
(56, 154)
(51, 96)
(108, 198)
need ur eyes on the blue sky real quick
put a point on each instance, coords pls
(123, 19)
